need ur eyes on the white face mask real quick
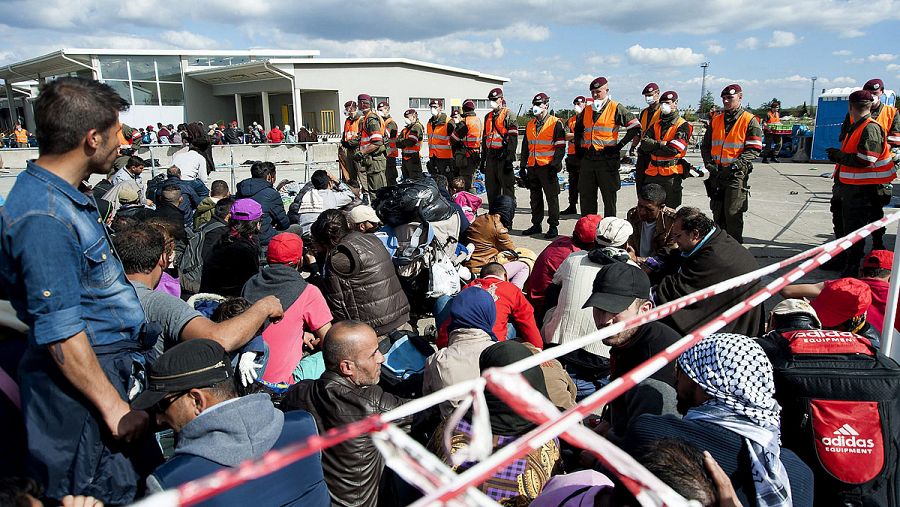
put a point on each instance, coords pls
(578, 109)
(537, 110)
(650, 99)
(382, 113)
(665, 108)
(347, 112)
(434, 111)
(407, 121)
(495, 105)
(597, 105)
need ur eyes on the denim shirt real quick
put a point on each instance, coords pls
(57, 265)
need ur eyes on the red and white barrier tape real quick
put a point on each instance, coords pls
(201, 489)
(554, 428)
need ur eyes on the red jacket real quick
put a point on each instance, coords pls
(546, 265)
(276, 135)
(510, 302)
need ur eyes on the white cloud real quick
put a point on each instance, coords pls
(838, 81)
(855, 61)
(713, 47)
(892, 67)
(882, 57)
(666, 57)
(842, 52)
(603, 60)
(748, 43)
(851, 33)
(524, 31)
(782, 39)
(189, 40)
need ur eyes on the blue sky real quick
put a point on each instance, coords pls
(770, 47)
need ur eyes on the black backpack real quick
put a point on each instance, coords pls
(840, 413)
(190, 268)
(418, 201)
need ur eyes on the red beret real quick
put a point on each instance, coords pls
(861, 96)
(362, 97)
(410, 111)
(879, 259)
(597, 83)
(579, 100)
(841, 300)
(349, 103)
(436, 102)
(732, 89)
(669, 95)
(383, 103)
(650, 88)
(495, 94)
(540, 98)
(468, 105)
(873, 85)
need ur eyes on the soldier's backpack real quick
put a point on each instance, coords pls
(840, 413)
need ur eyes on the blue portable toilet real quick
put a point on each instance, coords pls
(830, 113)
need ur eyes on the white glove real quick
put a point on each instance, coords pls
(699, 172)
(247, 366)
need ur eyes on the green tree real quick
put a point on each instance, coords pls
(706, 103)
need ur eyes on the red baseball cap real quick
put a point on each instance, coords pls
(285, 248)
(586, 229)
(841, 300)
(879, 259)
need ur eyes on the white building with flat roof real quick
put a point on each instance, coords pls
(268, 86)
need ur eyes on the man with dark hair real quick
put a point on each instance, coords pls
(259, 187)
(651, 221)
(348, 392)
(132, 172)
(217, 226)
(321, 193)
(190, 199)
(143, 258)
(681, 466)
(192, 390)
(206, 209)
(84, 319)
(706, 255)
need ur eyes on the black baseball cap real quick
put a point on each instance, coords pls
(617, 286)
(192, 364)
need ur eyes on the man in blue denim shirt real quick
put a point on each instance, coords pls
(85, 320)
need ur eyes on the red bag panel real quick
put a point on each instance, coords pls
(828, 342)
(849, 439)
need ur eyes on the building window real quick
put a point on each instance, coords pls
(171, 94)
(122, 88)
(114, 67)
(420, 102)
(144, 80)
(482, 104)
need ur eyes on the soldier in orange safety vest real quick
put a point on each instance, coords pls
(349, 141)
(863, 165)
(370, 156)
(390, 140)
(730, 144)
(648, 117)
(573, 163)
(772, 141)
(501, 140)
(542, 154)
(466, 141)
(410, 143)
(665, 145)
(440, 154)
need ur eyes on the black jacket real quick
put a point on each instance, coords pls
(273, 217)
(352, 469)
(230, 264)
(719, 259)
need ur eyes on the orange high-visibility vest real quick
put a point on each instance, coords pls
(571, 148)
(473, 136)
(540, 144)
(439, 141)
(726, 149)
(668, 165)
(366, 138)
(392, 150)
(604, 132)
(647, 122)
(880, 171)
(351, 128)
(21, 136)
(495, 129)
(886, 120)
(772, 118)
(410, 151)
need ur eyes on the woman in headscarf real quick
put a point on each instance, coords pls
(490, 235)
(522, 480)
(471, 318)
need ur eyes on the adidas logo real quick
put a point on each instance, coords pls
(847, 430)
(846, 441)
